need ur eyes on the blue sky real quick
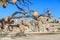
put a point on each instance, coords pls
(38, 5)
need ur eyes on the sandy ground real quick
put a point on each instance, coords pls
(33, 37)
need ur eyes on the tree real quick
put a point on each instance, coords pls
(15, 2)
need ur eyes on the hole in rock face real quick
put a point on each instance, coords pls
(47, 19)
